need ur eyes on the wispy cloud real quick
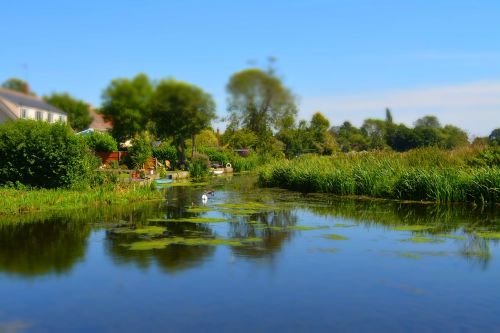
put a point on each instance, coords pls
(473, 106)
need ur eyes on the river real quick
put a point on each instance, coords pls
(251, 259)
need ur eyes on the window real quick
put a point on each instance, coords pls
(50, 117)
(39, 115)
(24, 113)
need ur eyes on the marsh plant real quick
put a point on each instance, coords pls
(423, 175)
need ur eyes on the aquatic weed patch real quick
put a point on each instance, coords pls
(192, 220)
(164, 242)
(421, 239)
(488, 235)
(451, 236)
(411, 228)
(335, 237)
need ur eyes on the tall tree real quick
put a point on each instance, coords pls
(428, 121)
(126, 104)
(17, 84)
(260, 100)
(78, 111)
(180, 110)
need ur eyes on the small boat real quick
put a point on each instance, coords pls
(163, 181)
(218, 172)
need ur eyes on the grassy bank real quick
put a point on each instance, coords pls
(423, 175)
(13, 201)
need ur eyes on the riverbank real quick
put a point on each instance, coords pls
(14, 201)
(424, 175)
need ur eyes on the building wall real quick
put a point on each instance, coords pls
(30, 113)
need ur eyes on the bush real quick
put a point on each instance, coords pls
(40, 154)
(101, 142)
(165, 152)
(218, 155)
(199, 166)
(140, 152)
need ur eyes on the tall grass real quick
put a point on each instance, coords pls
(423, 175)
(13, 201)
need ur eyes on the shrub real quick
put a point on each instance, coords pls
(41, 154)
(98, 141)
(218, 155)
(165, 152)
(199, 166)
(140, 152)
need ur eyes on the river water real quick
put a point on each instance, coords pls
(252, 259)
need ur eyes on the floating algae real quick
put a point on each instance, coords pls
(335, 237)
(162, 243)
(488, 235)
(305, 227)
(412, 228)
(193, 220)
(249, 206)
(343, 225)
(199, 209)
(421, 239)
(149, 230)
(410, 255)
(458, 237)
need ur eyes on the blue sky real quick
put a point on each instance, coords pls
(347, 59)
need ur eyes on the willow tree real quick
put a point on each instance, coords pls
(260, 101)
(180, 111)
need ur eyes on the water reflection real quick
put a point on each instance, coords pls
(43, 247)
(32, 245)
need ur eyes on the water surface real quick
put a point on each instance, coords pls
(251, 259)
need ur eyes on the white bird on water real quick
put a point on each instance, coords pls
(204, 198)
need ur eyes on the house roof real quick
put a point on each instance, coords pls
(98, 121)
(28, 100)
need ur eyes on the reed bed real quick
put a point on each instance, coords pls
(422, 175)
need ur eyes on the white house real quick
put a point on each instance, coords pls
(15, 105)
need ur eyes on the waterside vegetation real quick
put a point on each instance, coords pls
(426, 174)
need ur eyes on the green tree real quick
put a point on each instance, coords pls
(350, 137)
(181, 110)
(126, 103)
(494, 136)
(17, 85)
(260, 100)
(388, 116)
(77, 110)
(401, 138)
(428, 121)
(454, 137)
(375, 131)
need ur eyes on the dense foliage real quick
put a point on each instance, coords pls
(259, 101)
(180, 111)
(126, 105)
(40, 154)
(140, 152)
(101, 142)
(199, 166)
(77, 110)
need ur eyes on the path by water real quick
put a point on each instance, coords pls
(252, 259)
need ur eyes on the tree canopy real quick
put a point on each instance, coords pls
(126, 103)
(259, 101)
(180, 111)
(77, 110)
(16, 84)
